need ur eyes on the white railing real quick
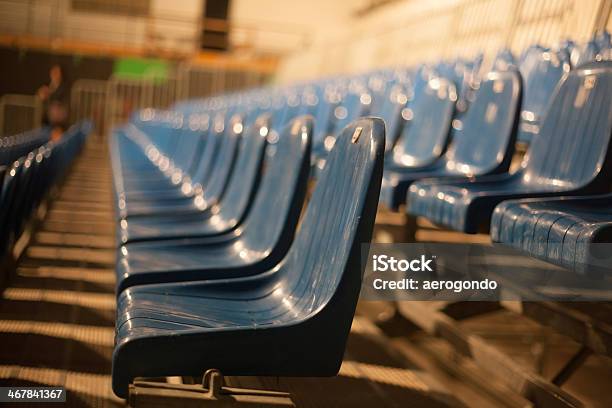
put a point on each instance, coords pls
(88, 100)
(111, 102)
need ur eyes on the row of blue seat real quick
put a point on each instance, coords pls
(208, 200)
(570, 155)
(463, 182)
(25, 181)
(16, 146)
(193, 285)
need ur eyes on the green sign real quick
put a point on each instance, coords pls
(141, 68)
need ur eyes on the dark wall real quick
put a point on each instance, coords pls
(216, 25)
(24, 71)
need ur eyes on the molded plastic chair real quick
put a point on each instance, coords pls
(585, 53)
(308, 299)
(541, 71)
(211, 182)
(566, 231)
(214, 218)
(155, 172)
(426, 134)
(569, 156)
(355, 103)
(504, 60)
(188, 147)
(260, 242)
(15, 146)
(483, 145)
(28, 179)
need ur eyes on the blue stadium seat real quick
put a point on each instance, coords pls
(27, 180)
(483, 144)
(503, 60)
(585, 53)
(328, 97)
(214, 171)
(569, 156)
(392, 102)
(309, 298)
(541, 71)
(157, 153)
(184, 157)
(603, 41)
(355, 103)
(213, 218)
(566, 231)
(260, 242)
(16, 146)
(426, 133)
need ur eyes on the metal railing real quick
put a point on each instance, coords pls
(111, 102)
(88, 100)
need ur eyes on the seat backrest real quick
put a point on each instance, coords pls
(9, 202)
(390, 107)
(322, 272)
(603, 40)
(584, 53)
(245, 177)
(290, 109)
(223, 166)
(572, 148)
(429, 114)
(200, 125)
(14, 146)
(4, 182)
(17, 187)
(503, 60)
(210, 152)
(329, 100)
(309, 100)
(530, 56)
(279, 199)
(485, 142)
(355, 103)
(161, 127)
(541, 71)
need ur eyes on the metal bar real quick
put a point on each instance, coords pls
(571, 366)
(528, 384)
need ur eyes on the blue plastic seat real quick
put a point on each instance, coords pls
(151, 166)
(426, 134)
(585, 53)
(541, 71)
(213, 218)
(167, 131)
(214, 171)
(28, 179)
(570, 155)
(483, 143)
(393, 101)
(308, 298)
(260, 242)
(504, 60)
(603, 41)
(189, 144)
(16, 146)
(354, 103)
(566, 231)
